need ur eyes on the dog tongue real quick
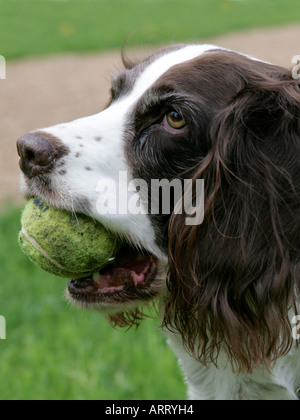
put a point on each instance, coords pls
(130, 269)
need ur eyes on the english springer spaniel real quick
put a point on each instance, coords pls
(228, 286)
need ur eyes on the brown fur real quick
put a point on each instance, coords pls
(233, 279)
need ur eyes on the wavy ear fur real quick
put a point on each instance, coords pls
(233, 279)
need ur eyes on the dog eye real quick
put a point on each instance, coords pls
(174, 120)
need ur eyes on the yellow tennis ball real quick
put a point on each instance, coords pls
(64, 244)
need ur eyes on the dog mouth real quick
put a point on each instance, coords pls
(129, 277)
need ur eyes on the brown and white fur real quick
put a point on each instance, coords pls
(228, 288)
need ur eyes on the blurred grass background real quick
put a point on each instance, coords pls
(35, 27)
(54, 351)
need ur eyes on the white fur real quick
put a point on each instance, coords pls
(221, 383)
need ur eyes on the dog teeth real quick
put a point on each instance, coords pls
(96, 276)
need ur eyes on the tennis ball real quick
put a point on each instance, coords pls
(64, 244)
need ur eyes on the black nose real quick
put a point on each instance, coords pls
(38, 152)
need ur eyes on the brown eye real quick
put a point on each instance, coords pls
(175, 120)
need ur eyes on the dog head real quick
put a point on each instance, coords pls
(187, 113)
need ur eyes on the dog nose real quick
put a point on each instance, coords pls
(37, 153)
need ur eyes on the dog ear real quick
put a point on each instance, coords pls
(233, 279)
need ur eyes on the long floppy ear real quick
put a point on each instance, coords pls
(233, 279)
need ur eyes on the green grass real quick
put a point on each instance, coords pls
(54, 351)
(35, 27)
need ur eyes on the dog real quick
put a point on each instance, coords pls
(227, 287)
